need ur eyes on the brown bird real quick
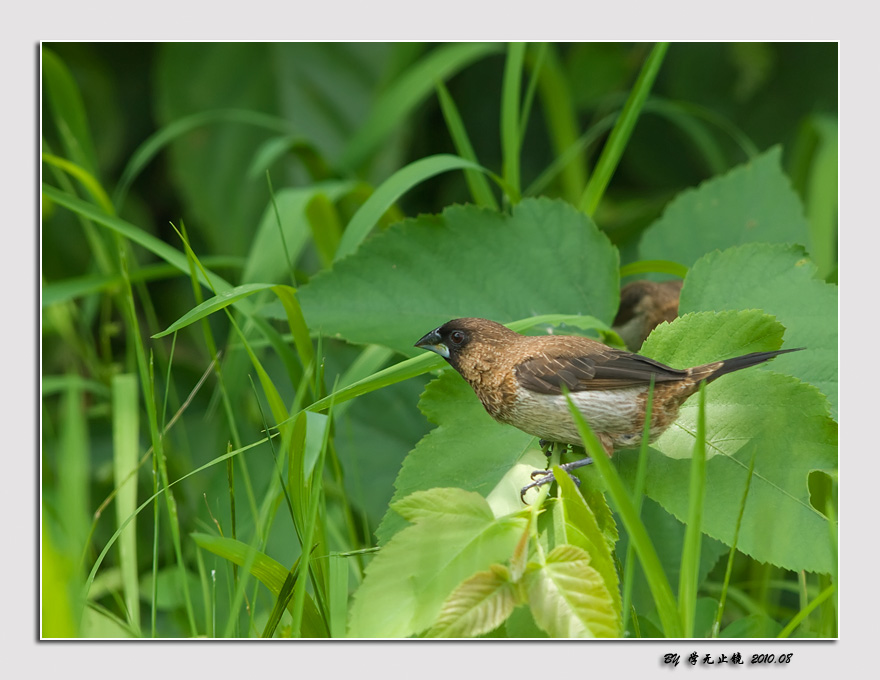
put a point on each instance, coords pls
(519, 381)
(643, 306)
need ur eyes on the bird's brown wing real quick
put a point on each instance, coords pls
(606, 370)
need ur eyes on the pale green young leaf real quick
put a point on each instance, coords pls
(568, 597)
(480, 604)
(406, 584)
(575, 524)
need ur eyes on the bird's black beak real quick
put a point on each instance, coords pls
(433, 342)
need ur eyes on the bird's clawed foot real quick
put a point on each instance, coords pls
(541, 477)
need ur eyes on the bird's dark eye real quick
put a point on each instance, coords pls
(457, 337)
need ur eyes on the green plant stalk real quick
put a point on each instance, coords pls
(564, 161)
(386, 194)
(479, 187)
(148, 389)
(125, 461)
(196, 268)
(280, 229)
(562, 126)
(657, 581)
(806, 611)
(405, 93)
(690, 554)
(305, 567)
(206, 595)
(536, 65)
(510, 122)
(85, 178)
(638, 498)
(716, 626)
(617, 141)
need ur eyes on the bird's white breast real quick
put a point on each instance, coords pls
(611, 412)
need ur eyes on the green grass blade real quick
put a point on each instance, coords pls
(806, 611)
(267, 571)
(409, 90)
(148, 392)
(560, 113)
(214, 304)
(150, 148)
(725, 584)
(510, 123)
(393, 188)
(653, 569)
(125, 462)
(617, 141)
(156, 246)
(638, 497)
(479, 186)
(690, 554)
(323, 219)
(84, 177)
(68, 112)
(565, 167)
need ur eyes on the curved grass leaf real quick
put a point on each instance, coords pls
(214, 304)
(267, 571)
(653, 570)
(68, 112)
(408, 91)
(477, 182)
(133, 233)
(156, 142)
(394, 187)
(406, 584)
(511, 133)
(85, 178)
(617, 141)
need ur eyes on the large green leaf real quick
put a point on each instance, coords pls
(782, 281)
(783, 422)
(545, 258)
(753, 202)
(454, 535)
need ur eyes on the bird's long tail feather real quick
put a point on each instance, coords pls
(746, 360)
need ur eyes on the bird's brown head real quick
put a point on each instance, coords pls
(459, 339)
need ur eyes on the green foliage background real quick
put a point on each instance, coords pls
(303, 212)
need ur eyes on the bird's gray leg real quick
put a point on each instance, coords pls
(546, 478)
